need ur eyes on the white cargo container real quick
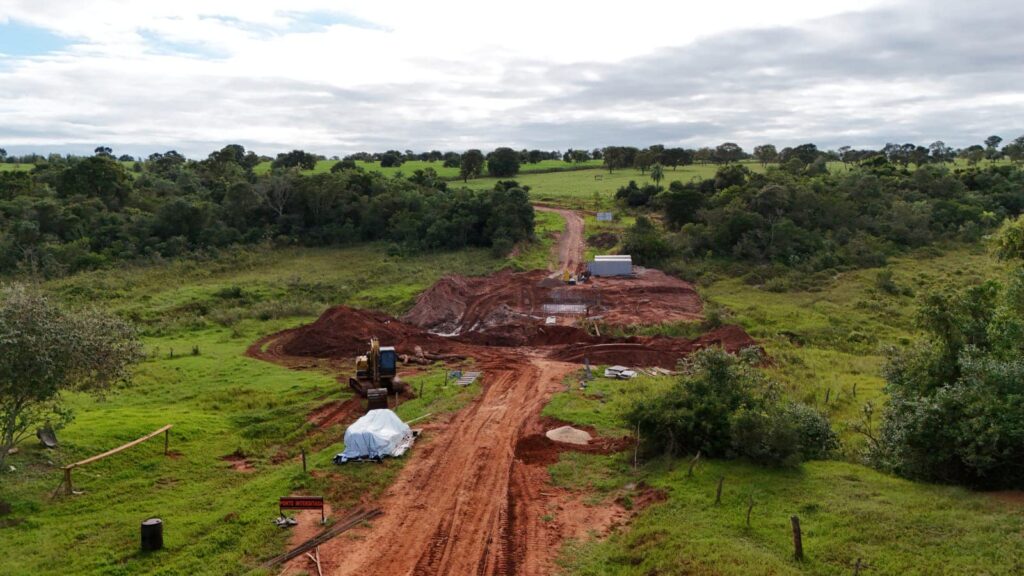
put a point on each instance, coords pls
(611, 265)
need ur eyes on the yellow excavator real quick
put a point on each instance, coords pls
(376, 374)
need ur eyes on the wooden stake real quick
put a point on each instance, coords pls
(67, 481)
(167, 440)
(798, 542)
(718, 492)
(750, 508)
(828, 393)
(693, 464)
(856, 568)
(303, 460)
(316, 560)
(636, 449)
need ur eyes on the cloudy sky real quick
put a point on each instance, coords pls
(334, 77)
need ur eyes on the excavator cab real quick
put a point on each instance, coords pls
(376, 373)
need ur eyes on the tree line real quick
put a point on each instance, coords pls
(71, 214)
(804, 218)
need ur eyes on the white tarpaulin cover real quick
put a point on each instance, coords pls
(377, 434)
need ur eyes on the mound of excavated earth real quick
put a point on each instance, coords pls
(343, 332)
(456, 305)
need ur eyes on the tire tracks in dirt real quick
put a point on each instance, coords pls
(456, 513)
(569, 247)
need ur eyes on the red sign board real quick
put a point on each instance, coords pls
(303, 503)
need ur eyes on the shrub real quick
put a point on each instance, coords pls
(956, 408)
(723, 407)
(765, 436)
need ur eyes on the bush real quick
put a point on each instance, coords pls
(956, 407)
(723, 407)
(765, 436)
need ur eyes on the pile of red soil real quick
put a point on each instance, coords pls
(345, 332)
(539, 449)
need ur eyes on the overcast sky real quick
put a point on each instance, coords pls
(336, 77)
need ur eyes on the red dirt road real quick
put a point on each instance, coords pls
(452, 510)
(570, 242)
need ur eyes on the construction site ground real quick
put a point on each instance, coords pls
(475, 495)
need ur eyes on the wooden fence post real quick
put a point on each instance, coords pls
(167, 440)
(693, 463)
(718, 492)
(798, 543)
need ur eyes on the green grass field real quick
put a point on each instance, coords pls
(217, 520)
(596, 187)
(407, 168)
(848, 511)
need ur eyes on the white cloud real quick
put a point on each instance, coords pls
(193, 74)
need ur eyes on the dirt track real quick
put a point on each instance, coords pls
(449, 512)
(570, 242)
(475, 491)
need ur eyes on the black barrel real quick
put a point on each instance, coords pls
(152, 534)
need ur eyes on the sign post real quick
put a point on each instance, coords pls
(303, 503)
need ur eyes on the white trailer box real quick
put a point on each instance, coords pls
(613, 265)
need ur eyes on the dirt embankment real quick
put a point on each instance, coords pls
(343, 332)
(459, 304)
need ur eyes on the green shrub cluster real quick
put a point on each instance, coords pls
(956, 407)
(722, 407)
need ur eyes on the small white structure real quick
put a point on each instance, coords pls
(550, 321)
(377, 434)
(611, 265)
(619, 372)
(604, 216)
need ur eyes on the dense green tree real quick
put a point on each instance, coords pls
(645, 243)
(766, 154)
(98, 177)
(503, 163)
(728, 152)
(391, 159)
(680, 203)
(644, 159)
(471, 164)
(677, 157)
(295, 159)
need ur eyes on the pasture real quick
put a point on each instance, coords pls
(239, 423)
(821, 342)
